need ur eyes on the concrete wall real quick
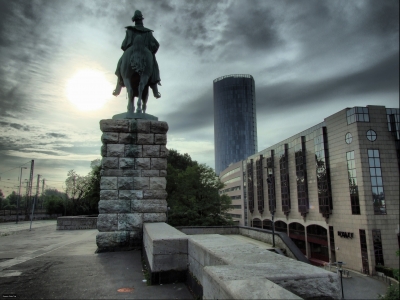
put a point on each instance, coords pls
(228, 268)
(76, 222)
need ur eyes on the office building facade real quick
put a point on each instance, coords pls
(235, 123)
(333, 188)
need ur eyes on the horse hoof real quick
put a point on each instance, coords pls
(158, 95)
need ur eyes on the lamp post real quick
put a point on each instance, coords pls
(273, 229)
(19, 193)
(340, 264)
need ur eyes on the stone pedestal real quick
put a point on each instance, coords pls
(132, 186)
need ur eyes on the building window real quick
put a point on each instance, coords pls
(357, 114)
(271, 183)
(284, 172)
(301, 175)
(235, 188)
(235, 206)
(364, 252)
(230, 172)
(376, 236)
(250, 187)
(378, 194)
(232, 180)
(260, 184)
(393, 119)
(371, 135)
(351, 170)
(349, 138)
(323, 172)
(236, 197)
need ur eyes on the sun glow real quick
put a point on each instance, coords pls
(89, 90)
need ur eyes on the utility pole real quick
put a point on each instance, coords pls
(29, 193)
(34, 200)
(43, 182)
(19, 193)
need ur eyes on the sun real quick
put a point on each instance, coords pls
(89, 90)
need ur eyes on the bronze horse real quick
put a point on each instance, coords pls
(136, 69)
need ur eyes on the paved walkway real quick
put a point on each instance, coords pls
(46, 263)
(8, 228)
(60, 264)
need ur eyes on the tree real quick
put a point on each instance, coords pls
(193, 193)
(12, 199)
(54, 201)
(83, 192)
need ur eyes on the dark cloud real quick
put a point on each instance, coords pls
(382, 77)
(56, 135)
(80, 149)
(15, 126)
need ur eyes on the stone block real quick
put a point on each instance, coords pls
(131, 173)
(129, 221)
(151, 150)
(158, 183)
(140, 126)
(159, 127)
(154, 217)
(149, 206)
(155, 194)
(163, 151)
(112, 172)
(150, 173)
(126, 163)
(141, 183)
(107, 222)
(108, 195)
(118, 238)
(108, 183)
(125, 183)
(103, 150)
(116, 150)
(114, 125)
(109, 137)
(130, 194)
(163, 173)
(133, 150)
(127, 138)
(145, 139)
(114, 206)
(160, 139)
(142, 163)
(109, 163)
(158, 164)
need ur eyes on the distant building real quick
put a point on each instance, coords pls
(333, 188)
(235, 124)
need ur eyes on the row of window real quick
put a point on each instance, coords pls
(235, 188)
(230, 173)
(323, 181)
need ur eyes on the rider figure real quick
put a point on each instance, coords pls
(150, 43)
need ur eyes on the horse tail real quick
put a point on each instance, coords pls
(138, 59)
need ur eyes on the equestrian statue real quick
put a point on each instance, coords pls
(137, 69)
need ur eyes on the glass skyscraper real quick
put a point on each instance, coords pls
(235, 123)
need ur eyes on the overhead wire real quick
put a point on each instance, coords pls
(15, 167)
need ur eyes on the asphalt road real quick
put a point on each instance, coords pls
(48, 264)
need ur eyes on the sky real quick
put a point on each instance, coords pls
(309, 59)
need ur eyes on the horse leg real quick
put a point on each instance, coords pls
(142, 83)
(131, 106)
(156, 93)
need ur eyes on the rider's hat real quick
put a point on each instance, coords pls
(137, 16)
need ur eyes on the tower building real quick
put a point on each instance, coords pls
(235, 123)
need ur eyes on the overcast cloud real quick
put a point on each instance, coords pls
(309, 59)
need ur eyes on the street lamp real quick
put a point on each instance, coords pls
(340, 264)
(19, 193)
(273, 229)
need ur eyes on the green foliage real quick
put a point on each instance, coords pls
(193, 193)
(54, 205)
(392, 293)
(83, 192)
(12, 198)
(385, 270)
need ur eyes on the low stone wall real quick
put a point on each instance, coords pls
(228, 268)
(282, 241)
(12, 218)
(76, 222)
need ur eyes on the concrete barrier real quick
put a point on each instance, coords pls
(76, 222)
(229, 268)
